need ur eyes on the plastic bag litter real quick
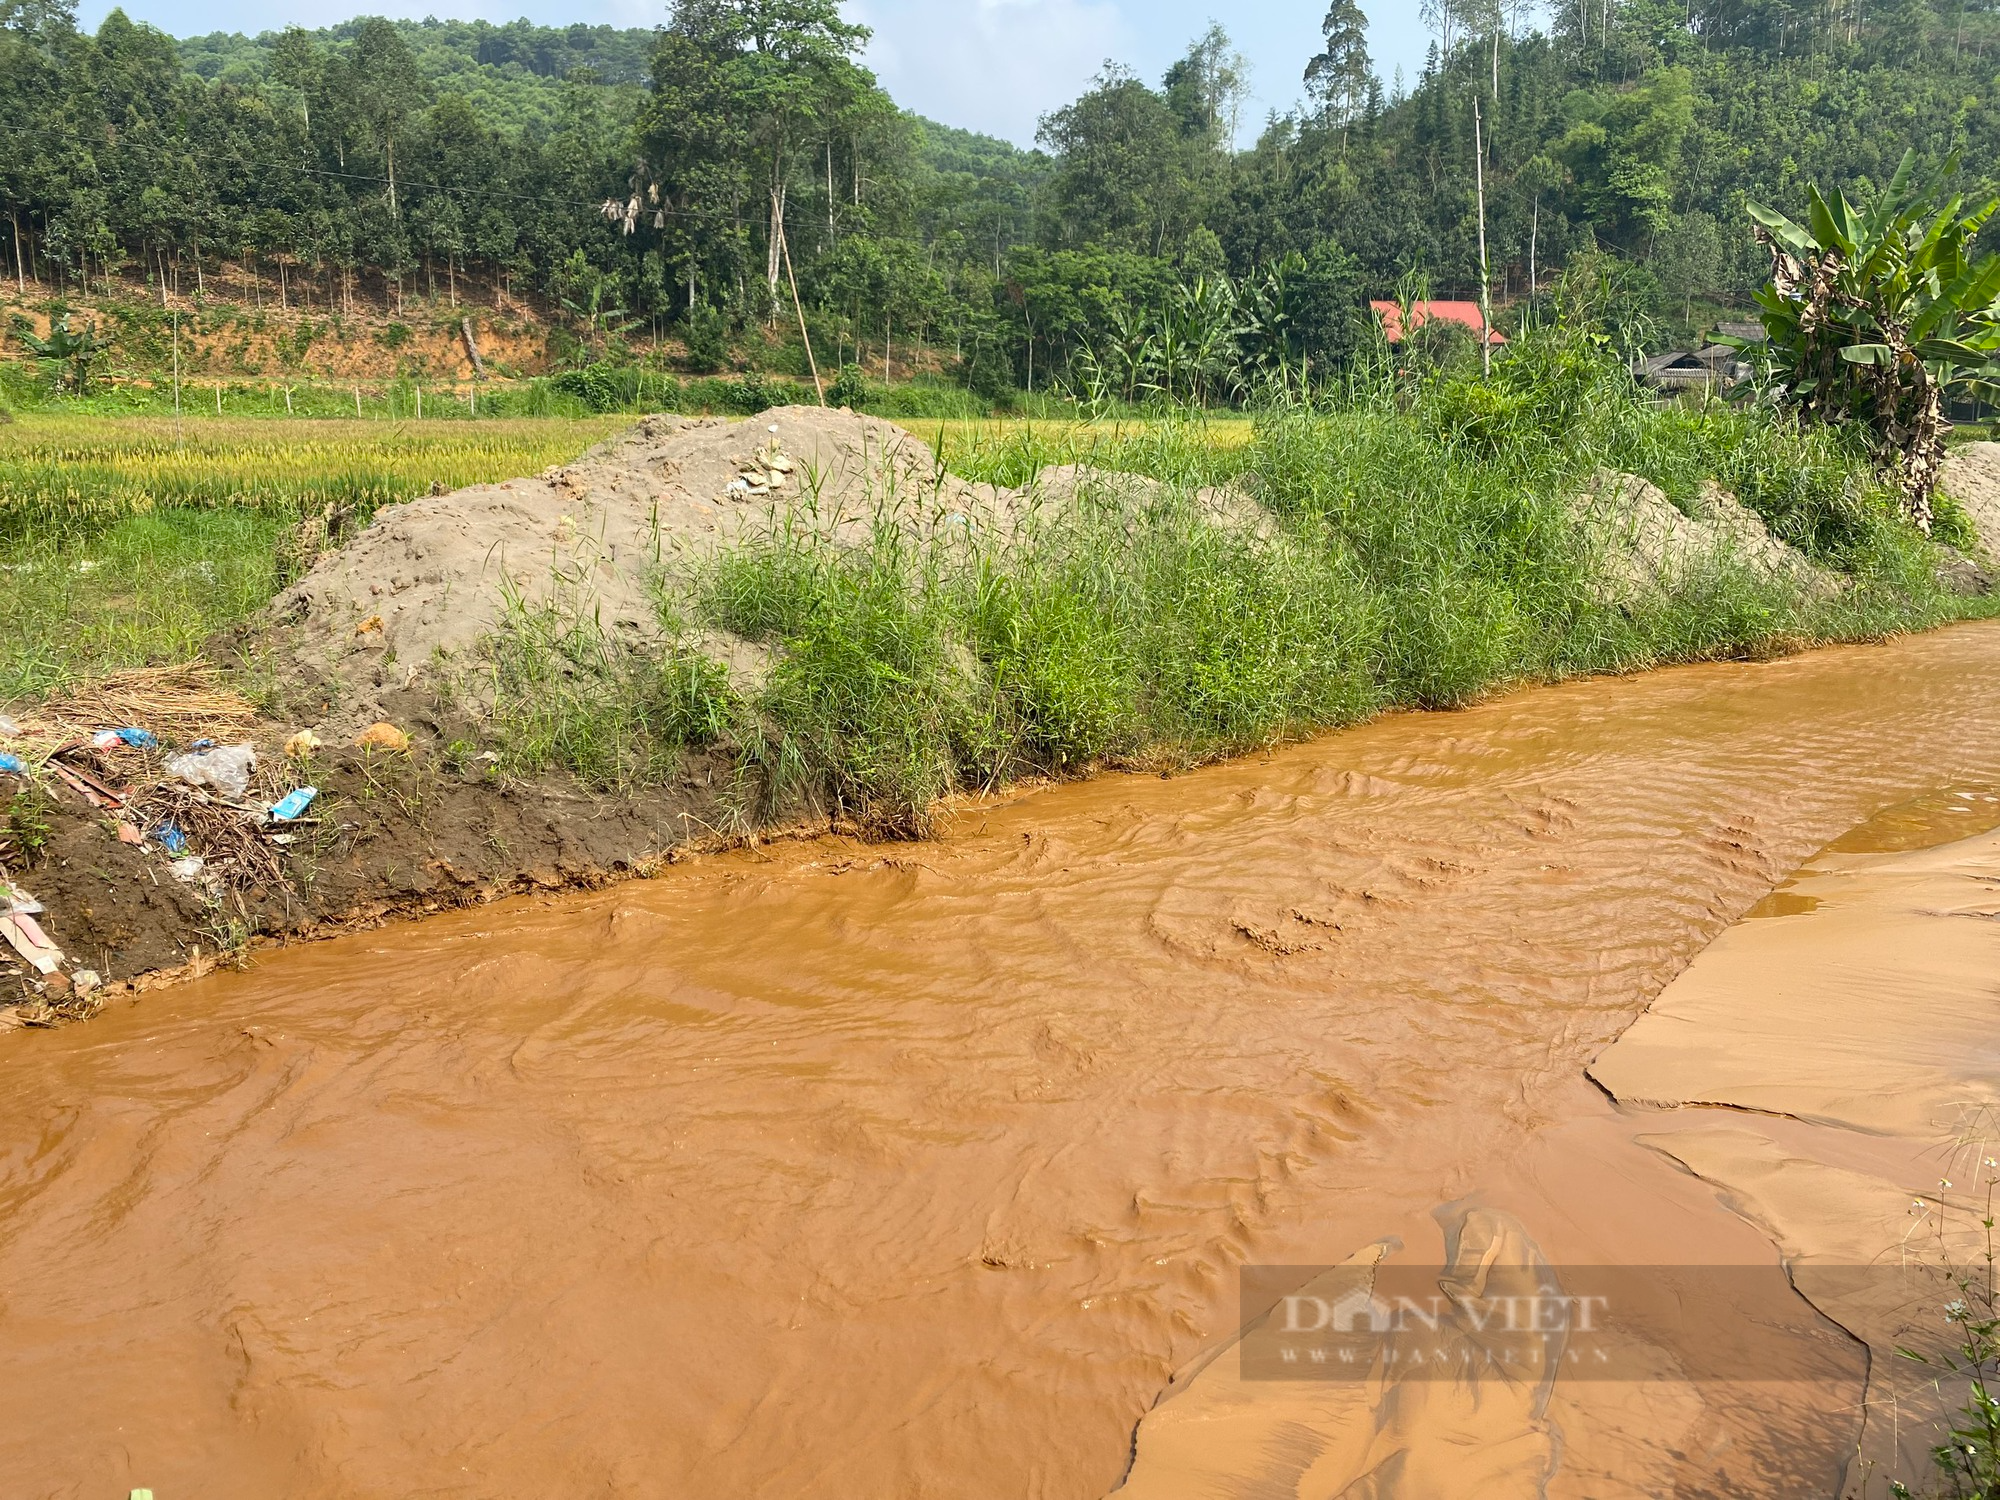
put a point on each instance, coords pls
(138, 739)
(13, 765)
(9, 730)
(226, 769)
(27, 939)
(188, 870)
(171, 838)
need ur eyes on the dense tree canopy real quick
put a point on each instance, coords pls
(662, 176)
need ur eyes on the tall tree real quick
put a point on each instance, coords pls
(388, 89)
(1341, 76)
(786, 69)
(1122, 178)
(1208, 88)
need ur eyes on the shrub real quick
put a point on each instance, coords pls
(850, 388)
(706, 334)
(599, 387)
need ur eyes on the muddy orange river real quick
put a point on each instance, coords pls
(929, 1171)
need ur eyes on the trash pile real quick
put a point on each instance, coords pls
(202, 807)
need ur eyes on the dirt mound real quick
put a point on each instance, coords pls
(1972, 478)
(1643, 545)
(1133, 495)
(429, 579)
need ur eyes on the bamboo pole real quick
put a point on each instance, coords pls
(785, 244)
(177, 380)
(1485, 271)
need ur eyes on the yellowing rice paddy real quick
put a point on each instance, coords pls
(64, 471)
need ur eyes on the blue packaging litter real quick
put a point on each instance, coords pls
(294, 804)
(138, 739)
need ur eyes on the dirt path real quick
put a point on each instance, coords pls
(850, 1172)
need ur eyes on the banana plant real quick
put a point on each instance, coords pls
(1130, 350)
(71, 350)
(1877, 313)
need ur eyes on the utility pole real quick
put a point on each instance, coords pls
(1485, 272)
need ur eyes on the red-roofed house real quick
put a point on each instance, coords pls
(1466, 314)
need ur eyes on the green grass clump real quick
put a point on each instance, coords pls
(563, 695)
(907, 670)
(871, 700)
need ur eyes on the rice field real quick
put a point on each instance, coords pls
(71, 474)
(129, 541)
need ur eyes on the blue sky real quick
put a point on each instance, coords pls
(990, 65)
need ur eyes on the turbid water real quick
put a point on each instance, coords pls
(924, 1171)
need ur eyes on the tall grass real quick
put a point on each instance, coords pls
(562, 695)
(1426, 550)
(145, 591)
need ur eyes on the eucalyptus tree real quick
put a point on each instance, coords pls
(1341, 77)
(388, 90)
(743, 91)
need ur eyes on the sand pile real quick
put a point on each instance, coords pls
(1642, 544)
(1972, 478)
(428, 579)
(424, 584)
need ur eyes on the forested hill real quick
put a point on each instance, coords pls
(637, 179)
(514, 74)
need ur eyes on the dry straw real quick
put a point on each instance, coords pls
(179, 703)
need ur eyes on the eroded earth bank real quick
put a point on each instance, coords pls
(831, 1171)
